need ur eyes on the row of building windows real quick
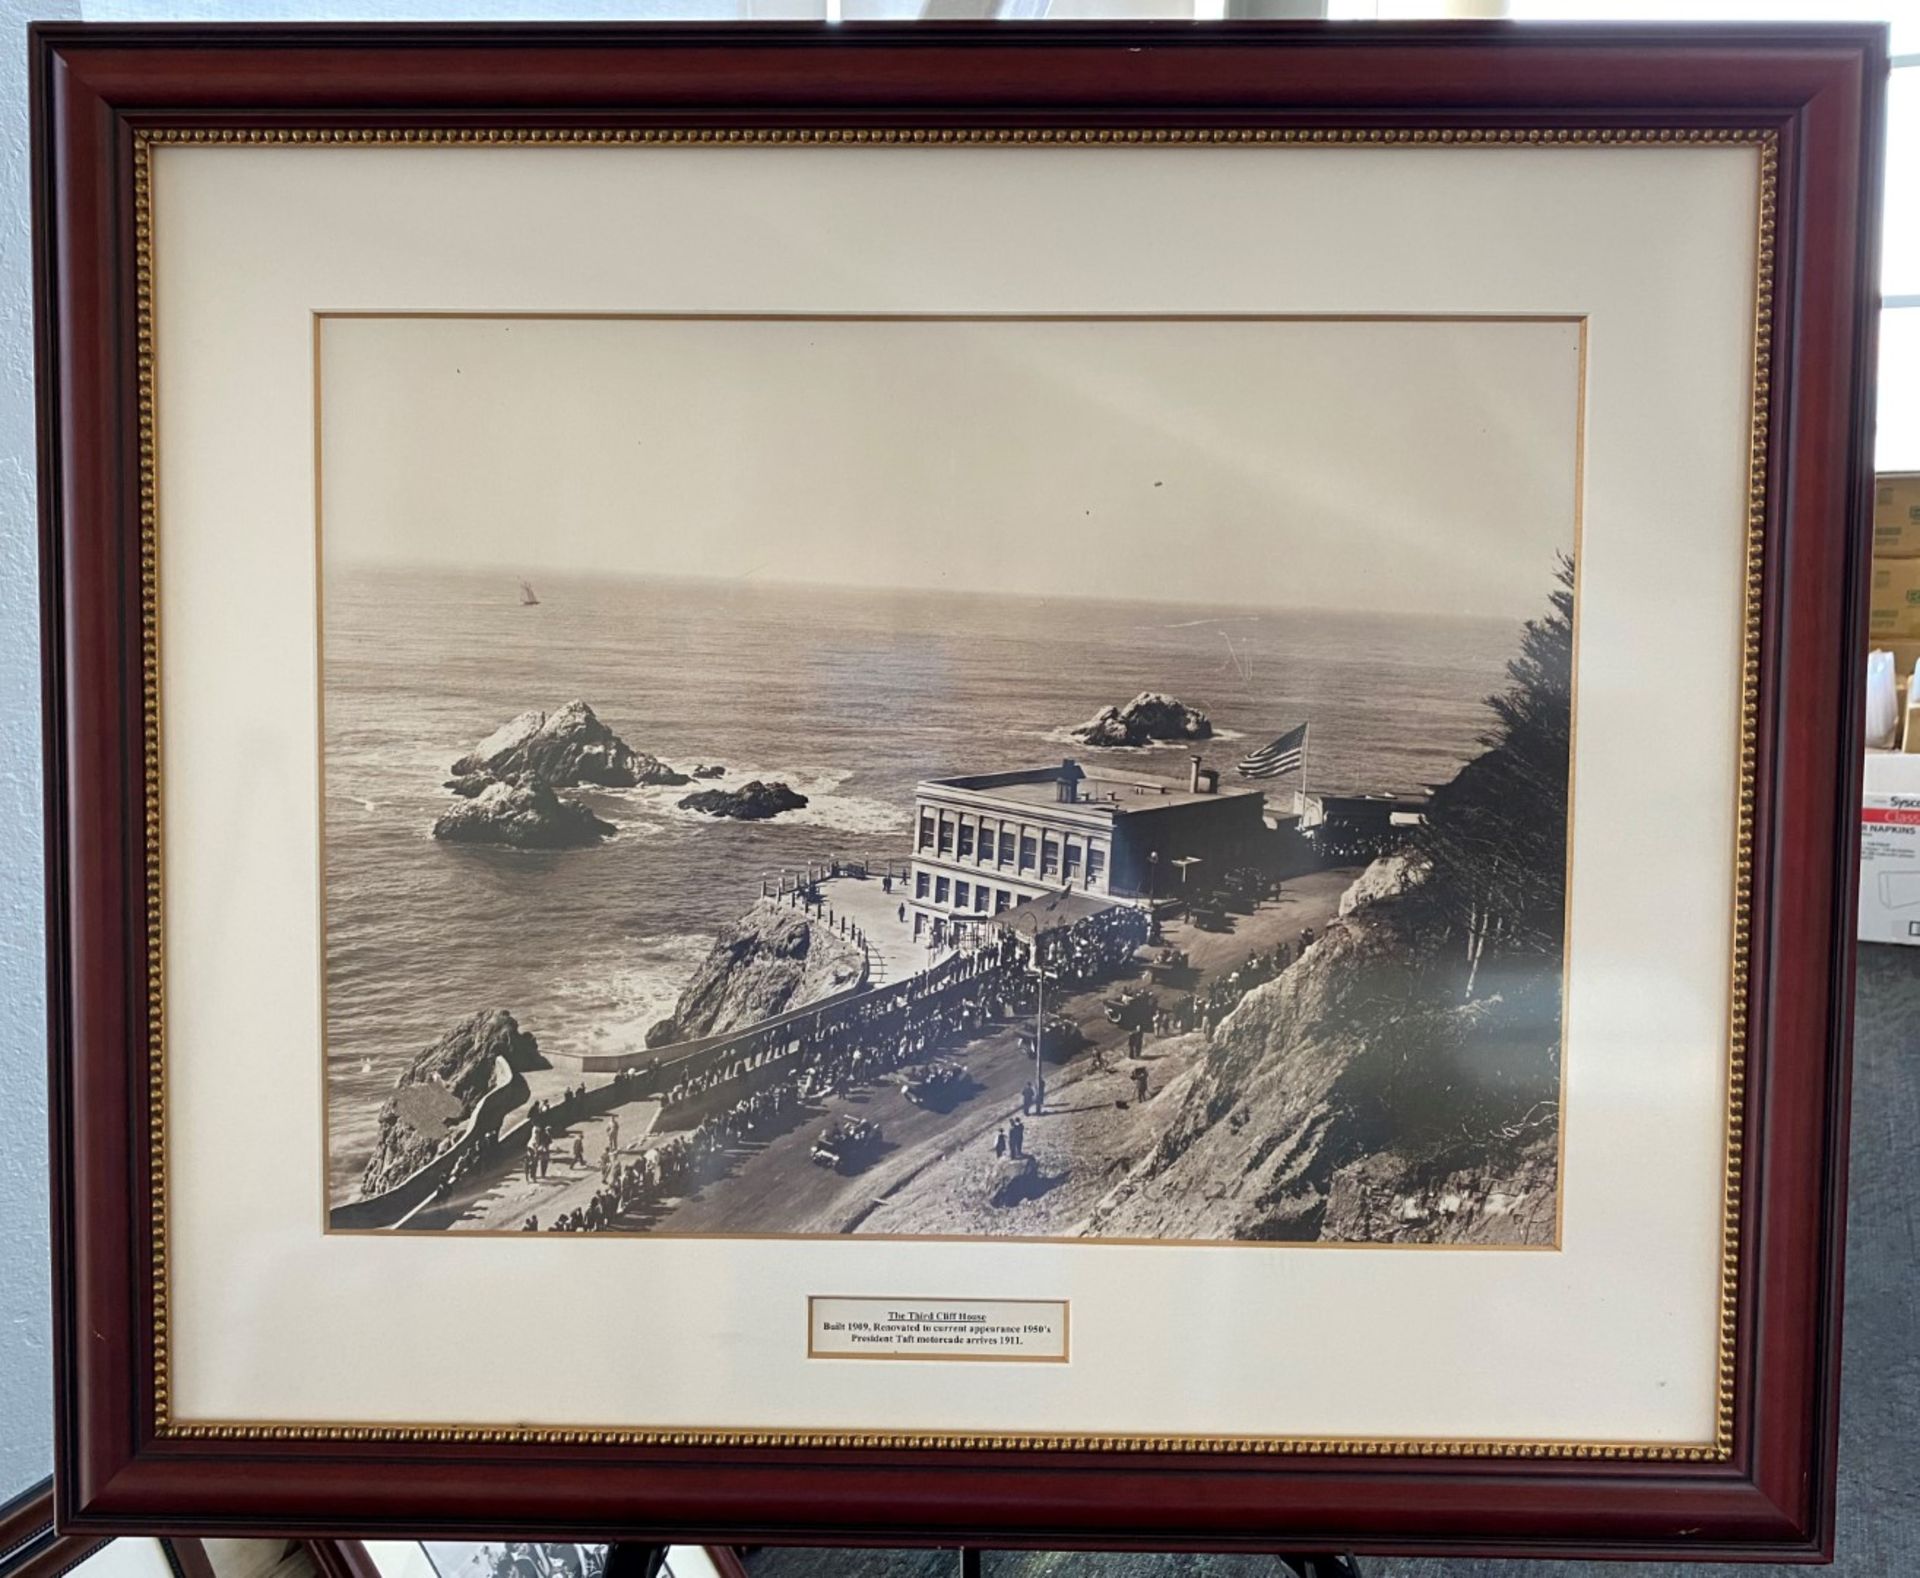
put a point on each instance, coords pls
(975, 896)
(1053, 857)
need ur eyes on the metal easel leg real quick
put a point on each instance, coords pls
(1322, 1565)
(635, 1561)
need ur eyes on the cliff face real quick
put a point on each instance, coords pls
(1343, 1101)
(437, 1092)
(1504, 1195)
(772, 959)
(563, 750)
(1386, 878)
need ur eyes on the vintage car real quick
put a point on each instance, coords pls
(1169, 965)
(933, 1084)
(1063, 1038)
(847, 1144)
(1132, 1008)
(1208, 912)
(1242, 889)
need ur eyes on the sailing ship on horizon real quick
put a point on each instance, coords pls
(527, 597)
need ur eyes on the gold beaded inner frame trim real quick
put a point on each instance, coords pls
(1719, 1449)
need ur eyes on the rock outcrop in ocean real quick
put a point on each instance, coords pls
(753, 802)
(1148, 719)
(522, 816)
(437, 1092)
(774, 958)
(563, 750)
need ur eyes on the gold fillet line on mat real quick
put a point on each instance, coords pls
(970, 136)
(733, 1436)
(1764, 140)
(150, 771)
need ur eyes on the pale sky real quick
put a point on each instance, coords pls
(1390, 466)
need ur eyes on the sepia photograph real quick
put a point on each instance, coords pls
(1067, 778)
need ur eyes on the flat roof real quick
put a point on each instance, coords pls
(1099, 791)
(1369, 802)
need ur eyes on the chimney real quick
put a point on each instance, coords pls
(1069, 782)
(1193, 776)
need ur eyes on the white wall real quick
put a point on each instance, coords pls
(26, 1447)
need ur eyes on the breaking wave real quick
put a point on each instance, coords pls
(618, 993)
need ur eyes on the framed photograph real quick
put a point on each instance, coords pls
(1067, 786)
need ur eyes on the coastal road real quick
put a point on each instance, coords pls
(774, 1186)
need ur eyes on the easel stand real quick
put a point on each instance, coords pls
(647, 1561)
(635, 1561)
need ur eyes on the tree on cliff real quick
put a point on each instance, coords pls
(1462, 1047)
(1412, 1054)
(1494, 843)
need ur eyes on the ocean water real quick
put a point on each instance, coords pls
(850, 696)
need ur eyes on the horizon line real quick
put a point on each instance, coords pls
(754, 579)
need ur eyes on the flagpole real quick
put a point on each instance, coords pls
(1306, 739)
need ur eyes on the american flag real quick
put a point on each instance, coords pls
(1283, 756)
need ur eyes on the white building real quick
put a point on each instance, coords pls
(984, 842)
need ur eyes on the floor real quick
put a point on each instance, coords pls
(1879, 1506)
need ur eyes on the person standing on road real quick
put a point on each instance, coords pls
(1140, 1084)
(1000, 1142)
(1016, 1138)
(579, 1150)
(1026, 1097)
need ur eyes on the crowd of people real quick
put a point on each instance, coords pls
(851, 1045)
(775, 1072)
(629, 1185)
(766, 1078)
(1095, 947)
(1204, 1009)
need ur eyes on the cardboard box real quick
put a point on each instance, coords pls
(1890, 849)
(1896, 515)
(1895, 607)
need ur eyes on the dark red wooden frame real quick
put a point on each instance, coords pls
(31, 1548)
(1821, 88)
